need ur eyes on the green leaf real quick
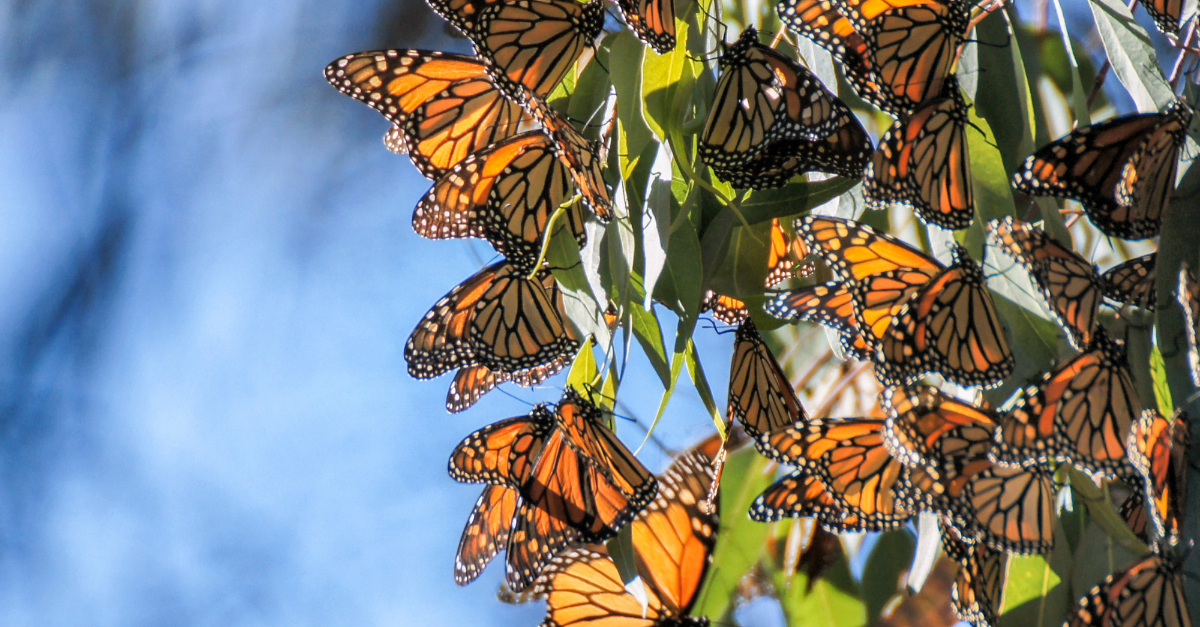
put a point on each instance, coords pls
(656, 234)
(792, 199)
(592, 88)
(1035, 592)
(648, 332)
(1098, 555)
(627, 81)
(883, 575)
(832, 601)
(679, 287)
(701, 383)
(1132, 55)
(584, 376)
(741, 542)
(661, 76)
(579, 302)
(989, 178)
(744, 270)
(620, 548)
(1077, 95)
(1003, 97)
(1162, 390)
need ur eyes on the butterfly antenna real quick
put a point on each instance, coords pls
(515, 397)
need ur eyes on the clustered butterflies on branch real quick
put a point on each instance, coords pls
(510, 167)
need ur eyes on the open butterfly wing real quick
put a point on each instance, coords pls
(486, 532)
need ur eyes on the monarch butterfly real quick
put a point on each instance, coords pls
(848, 459)
(821, 22)
(829, 304)
(916, 315)
(1009, 509)
(530, 45)
(1132, 282)
(581, 157)
(673, 539)
(486, 533)
(1133, 512)
(574, 478)
(653, 21)
(845, 153)
(762, 97)
(497, 318)
(1166, 14)
(461, 14)
(1080, 412)
(472, 382)
(912, 45)
(1121, 170)
(1069, 283)
(977, 593)
(1158, 451)
(443, 106)
(506, 194)
(948, 326)
(1188, 295)
(1147, 593)
(760, 395)
(925, 426)
(922, 162)
(727, 309)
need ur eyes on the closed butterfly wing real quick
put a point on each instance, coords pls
(486, 532)
(849, 457)
(949, 326)
(581, 422)
(830, 304)
(1089, 163)
(498, 318)
(1147, 593)
(653, 21)
(581, 157)
(845, 152)
(672, 541)
(926, 426)
(912, 45)
(922, 162)
(820, 21)
(530, 45)
(1188, 295)
(506, 194)
(471, 383)
(1148, 177)
(462, 14)
(443, 106)
(1158, 451)
(1132, 282)
(760, 395)
(978, 587)
(1069, 283)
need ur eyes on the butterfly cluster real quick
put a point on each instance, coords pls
(558, 484)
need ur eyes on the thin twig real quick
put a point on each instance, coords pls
(1177, 71)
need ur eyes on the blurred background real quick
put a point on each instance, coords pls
(207, 276)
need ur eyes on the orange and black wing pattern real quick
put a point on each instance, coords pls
(829, 304)
(760, 395)
(1121, 170)
(530, 45)
(979, 585)
(582, 158)
(1132, 282)
(1147, 593)
(849, 460)
(505, 193)
(653, 21)
(922, 162)
(856, 251)
(486, 532)
(1069, 283)
(1158, 451)
(1080, 412)
(912, 45)
(504, 452)
(949, 326)
(498, 318)
(444, 106)
(472, 382)
(926, 426)
(1166, 14)
(672, 542)
(820, 21)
